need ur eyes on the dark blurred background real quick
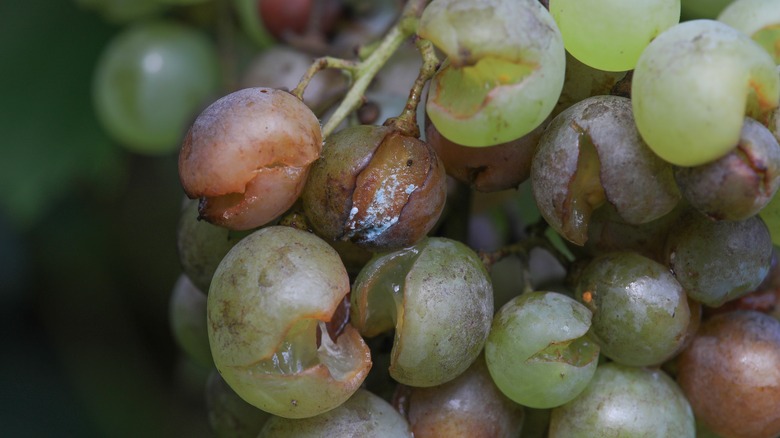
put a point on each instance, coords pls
(87, 248)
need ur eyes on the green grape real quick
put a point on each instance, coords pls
(438, 297)
(640, 312)
(624, 401)
(693, 86)
(718, 261)
(611, 34)
(268, 302)
(759, 19)
(202, 246)
(151, 81)
(537, 351)
(187, 315)
(504, 70)
(364, 415)
(229, 415)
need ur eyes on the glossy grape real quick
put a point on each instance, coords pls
(537, 351)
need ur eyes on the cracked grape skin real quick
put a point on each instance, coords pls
(494, 86)
(439, 298)
(267, 298)
(537, 351)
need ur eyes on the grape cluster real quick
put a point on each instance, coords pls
(336, 276)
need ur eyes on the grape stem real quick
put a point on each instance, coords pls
(362, 72)
(406, 123)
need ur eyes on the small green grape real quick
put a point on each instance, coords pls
(151, 80)
(759, 19)
(693, 9)
(611, 34)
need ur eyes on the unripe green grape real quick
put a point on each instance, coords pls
(759, 19)
(640, 311)
(693, 86)
(504, 69)
(202, 245)
(229, 415)
(150, 81)
(438, 296)
(364, 415)
(624, 401)
(187, 315)
(611, 34)
(537, 351)
(267, 306)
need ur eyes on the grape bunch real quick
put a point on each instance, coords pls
(499, 218)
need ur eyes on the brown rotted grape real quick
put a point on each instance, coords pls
(731, 375)
(247, 156)
(375, 187)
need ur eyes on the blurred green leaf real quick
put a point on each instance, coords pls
(51, 141)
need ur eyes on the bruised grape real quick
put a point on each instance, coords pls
(640, 312)
(592, 154)
(488, 169)
(469, 406)
(731, 374)
(375, 187)
(247, 156)
(269, 300)
(438, 297)
(504, 69)
(739, 184)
